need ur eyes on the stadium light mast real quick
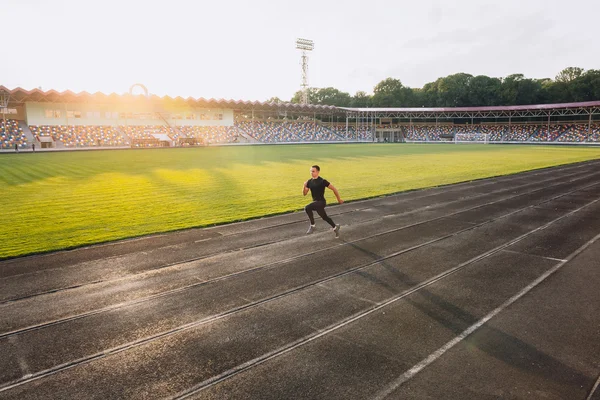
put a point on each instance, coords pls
(305, 45)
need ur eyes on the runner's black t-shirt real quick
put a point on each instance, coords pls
(317, 188)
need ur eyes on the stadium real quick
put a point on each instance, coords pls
(156, 248)
(53, 120)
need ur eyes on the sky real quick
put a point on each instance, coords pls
(245, 50)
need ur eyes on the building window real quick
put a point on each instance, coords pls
(49, 113)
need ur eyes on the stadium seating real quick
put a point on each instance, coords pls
(425, 133)
(81, 136)
(286, 131)
(595, 133)
(11, 134)
(210, 134)
(363, 132)
(575, 133)
(311, 132)
(268, 131)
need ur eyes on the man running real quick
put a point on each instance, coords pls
(317, 186)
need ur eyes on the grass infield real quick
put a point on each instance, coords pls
(59, 200)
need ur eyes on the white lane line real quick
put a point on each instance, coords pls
(534, 255)
(439, 352)
(302, 341)
(594, 389)
(261, 267)
(311, 337)
(20, 359)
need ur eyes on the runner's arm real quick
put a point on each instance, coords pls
(337, 194)
(305, 189)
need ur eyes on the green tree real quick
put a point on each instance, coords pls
(569, 74)
(484, 91)
(585, 87)
(332, 97)
(453, 90)
(298, 96)
(516, 89)
(391, 93)
(361, 100)
(429, 96)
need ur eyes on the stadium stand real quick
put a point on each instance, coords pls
(363, 133)
(210, 134)
(564, 133)
(574, 133)
(81, 136)
(595, 133)
(424, 133)
(311, 132)
(11, 134)
(281, 131)
(268, 131)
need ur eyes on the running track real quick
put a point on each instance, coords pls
(480, 290)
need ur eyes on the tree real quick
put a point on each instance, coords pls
(516, 89)
(429, 96)
(484, 91)
(391, 93)
(274, 100)
(298, 96)
(453, 90)
(360, 100)
(461, 90)
(569, 74)
(585, 87)
(331, 97)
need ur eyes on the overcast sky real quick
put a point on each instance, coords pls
(245, 50)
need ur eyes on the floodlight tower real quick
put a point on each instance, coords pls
(305, 45)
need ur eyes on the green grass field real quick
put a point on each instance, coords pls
(57, 200)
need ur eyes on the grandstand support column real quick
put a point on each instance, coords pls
(589, 128)
(548, 132)
(346, 126)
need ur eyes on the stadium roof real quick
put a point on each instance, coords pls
(586, 104)
(20, 95)
(532, 110)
